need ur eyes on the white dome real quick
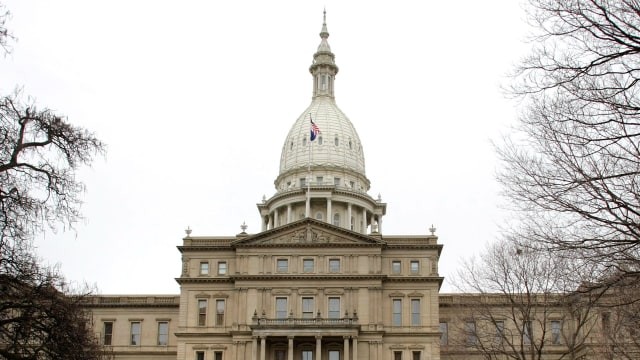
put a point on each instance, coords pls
(337, 146)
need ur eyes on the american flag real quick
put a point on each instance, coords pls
(315, 130)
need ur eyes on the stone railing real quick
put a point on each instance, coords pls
(263, 322)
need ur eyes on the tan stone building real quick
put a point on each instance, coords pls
(320, 281)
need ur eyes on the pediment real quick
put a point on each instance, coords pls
(308, 232)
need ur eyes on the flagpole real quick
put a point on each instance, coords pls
(308, 207)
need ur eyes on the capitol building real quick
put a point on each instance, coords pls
(320, 281)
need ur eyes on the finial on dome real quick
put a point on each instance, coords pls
(432, 229)
(244, 227)
(324, 33)
(188, 231)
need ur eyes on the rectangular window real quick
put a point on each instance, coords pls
(334, 265)
(219, 312)
(307, 265)
(163, 333)
(199, 355)
(415, 355)
(217, 355)
(415, 312)
(526, 332)
(556, 332)
(202, 312)
(280, 355)
(397, 355)
(222, 268)
(319, 180)
(606, 322)
(397, 312)
(281, 308)
(135, 333)
(396, 266)
(334, 308)
(470, 332)
(204, 268)
(303, 181)
(307, 355)
(415, 267)
(307, 307)
(444, 333)
(283, 265)
(336, 181)
(499, 331)
(334, 355)
(108, 332)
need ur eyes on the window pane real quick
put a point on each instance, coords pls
(222, 268)
(415, 312)
(527, 332)
(163, 333)
(444, 333)
(336, 219)
(334, 308)
(281, 308)
(397, 355)
(283, 265)
(397, 312)
(202, 312)
(204, 268)
(217, 355)
(199, 355)
(416, 355)
(334, 265)
(470, 330)
(280, 355)
(395, 267)
(307, 355)
(307, 265)
(307, 308)
(220, 312)
(135, 333)
(108, 333)
(334, 355)
(556, 329)
(499, 331)
(415, 267)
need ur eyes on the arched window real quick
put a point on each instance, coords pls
(350, 145)
(336, 219)
(320, 140)
(352, 223)
(319, 216)
(337, 141)
(304, 141)
(291, 144)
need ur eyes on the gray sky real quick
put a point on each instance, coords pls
(195, 99)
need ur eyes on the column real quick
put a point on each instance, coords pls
(349, 216)
(290, 350)
(364, 221)
(275, 218)
(265, 220)
(263, 348)
(270, 226)
(329, 214)
(355, 347)
(288, 213)
(380, 223)
(254, 348)
(346, 348)
(318, 347)
(307, 211)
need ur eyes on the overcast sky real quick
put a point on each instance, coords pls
(195, 99)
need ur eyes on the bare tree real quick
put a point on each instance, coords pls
(39, 155)
(40, 316)
(573, 170)
(522, 305)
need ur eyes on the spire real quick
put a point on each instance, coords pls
(324, 68)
